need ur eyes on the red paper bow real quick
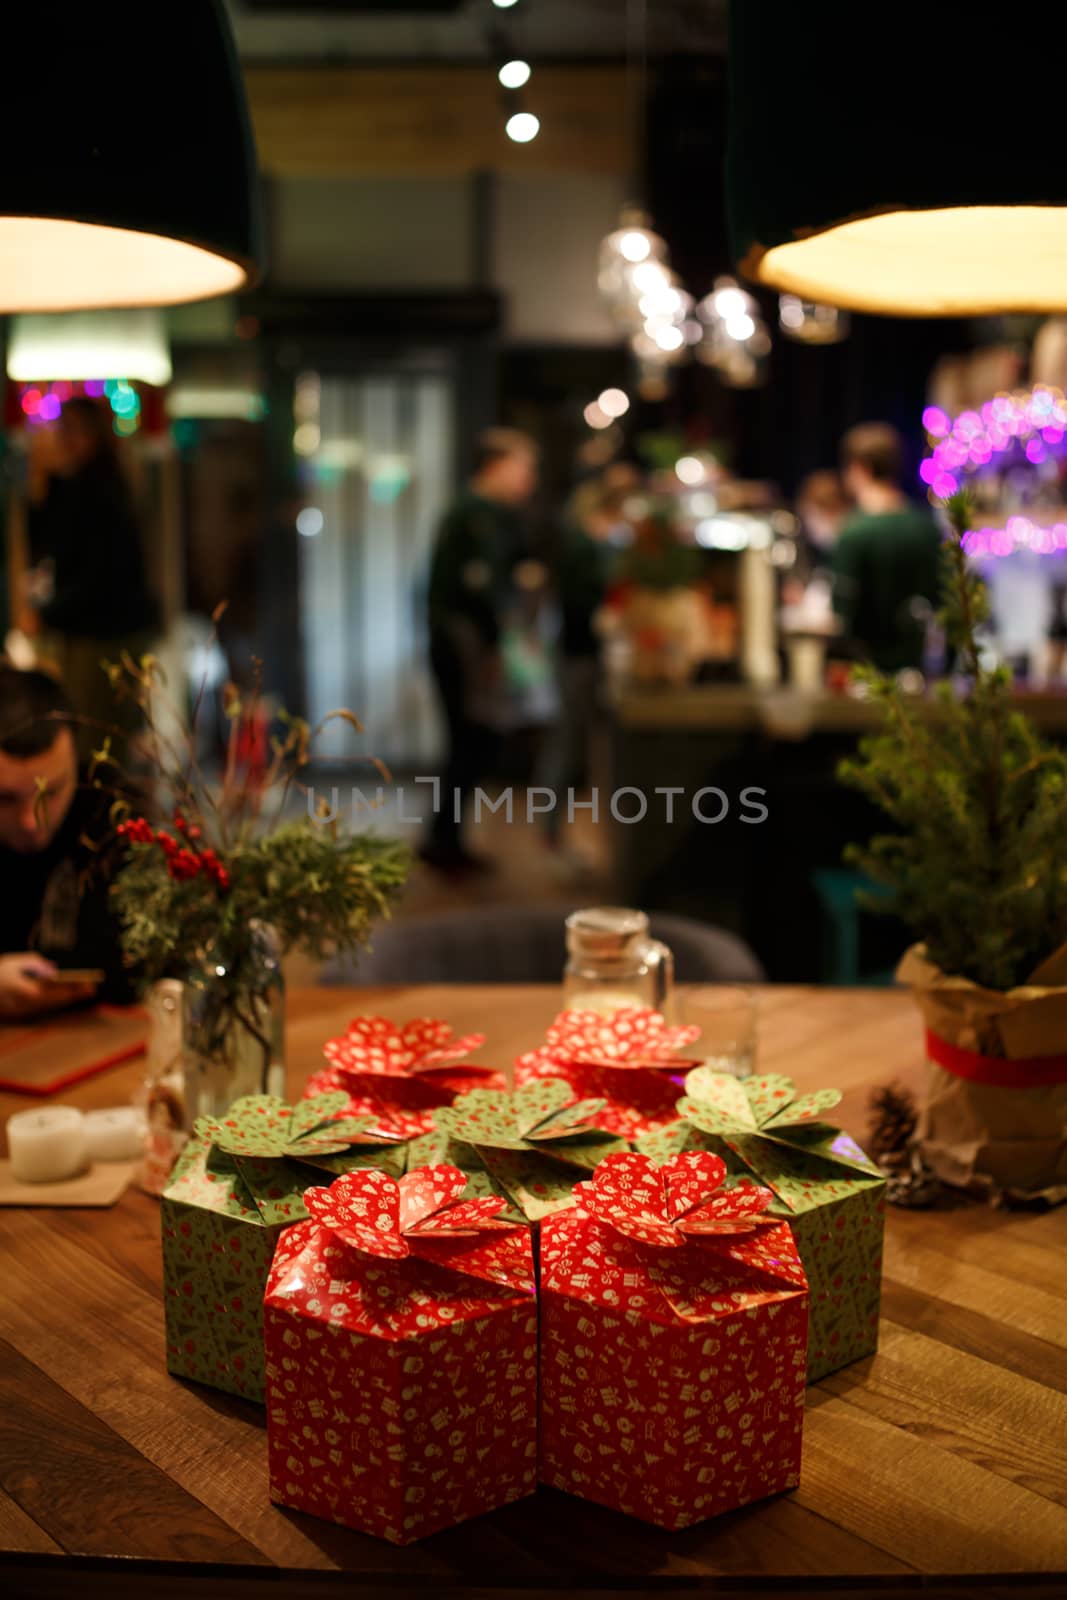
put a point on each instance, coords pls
(665, 1205)
(377, 1046)
(634, 1036)
(378, 1215)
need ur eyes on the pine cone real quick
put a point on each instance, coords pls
(894, 1117)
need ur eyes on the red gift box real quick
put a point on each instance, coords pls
(402, 1070)
(401, 1345)
(673, 1343)
(627, 1059)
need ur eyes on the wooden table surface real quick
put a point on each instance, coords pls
(939, 1461)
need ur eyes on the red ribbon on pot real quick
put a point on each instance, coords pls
(1001, 1072)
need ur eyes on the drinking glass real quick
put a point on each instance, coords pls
(726, 1015)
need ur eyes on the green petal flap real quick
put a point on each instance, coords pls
(501, 1120)
(265, 1126)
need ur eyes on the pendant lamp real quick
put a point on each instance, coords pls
(80, 345)
(904, 159)
(129, 177)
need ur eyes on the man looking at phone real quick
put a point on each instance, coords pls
(54, 913)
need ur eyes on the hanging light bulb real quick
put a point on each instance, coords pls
(614, 402)
(811, 323)
(736, 347)
(514, 74)
(664, 348)
(633, 263)
(522, 127)
(727, 300)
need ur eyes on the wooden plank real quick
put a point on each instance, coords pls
(1028, 1244)
(113, 1365)
(447, 120)
(594, 1545)
(210, 1444)
(1036, 1311)
(976, 1334)
(19, 1531)
(934, 1510)
(1008, 1425)
(51, 1449)
(125, 1238)
(58, 1580)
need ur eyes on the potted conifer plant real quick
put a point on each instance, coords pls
(976, 865)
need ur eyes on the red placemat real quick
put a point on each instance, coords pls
(50, 1055)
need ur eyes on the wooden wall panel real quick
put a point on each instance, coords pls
(336, 121)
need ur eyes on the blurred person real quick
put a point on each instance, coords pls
(54, 912)
(887, 559)
(582, 573)
(478, 545)
(823, 506)
(89, 585)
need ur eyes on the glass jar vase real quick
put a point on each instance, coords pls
(613, 962)
(233, 1028)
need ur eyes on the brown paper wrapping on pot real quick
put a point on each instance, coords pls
(1013, 1139)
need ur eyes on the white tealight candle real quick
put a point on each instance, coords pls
(46, 1145)
(115, 1135)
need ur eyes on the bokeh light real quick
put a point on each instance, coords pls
(522, 127)
(614, 402)
(513, 74)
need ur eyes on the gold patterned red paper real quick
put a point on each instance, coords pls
(401, 1337)
(628, 1059)
(402, 1069)
(673, 1343)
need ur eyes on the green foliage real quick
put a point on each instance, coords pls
(316, 889)
(196, 894)
(977, 861)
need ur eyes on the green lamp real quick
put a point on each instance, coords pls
(130, 175)
(903, 159)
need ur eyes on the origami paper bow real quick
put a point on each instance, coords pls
(778, 1135)
(381, 1216)
(634, 1036)
(669, 1204)
(264, 1126)
(533, 1117)
(714, 1102)
(375, 1045)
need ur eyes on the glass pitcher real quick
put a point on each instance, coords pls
(612, 962)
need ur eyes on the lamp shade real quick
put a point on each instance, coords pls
(129, 176)
(78, 345)
(905, 161)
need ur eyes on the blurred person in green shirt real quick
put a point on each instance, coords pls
(583, 570)
(886, 561)
(478, 545)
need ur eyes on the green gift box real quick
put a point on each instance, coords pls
(239, 1183)
(832, 1195)
(532, 1145)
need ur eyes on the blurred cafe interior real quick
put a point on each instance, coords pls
(490, 255)
(533, 769)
